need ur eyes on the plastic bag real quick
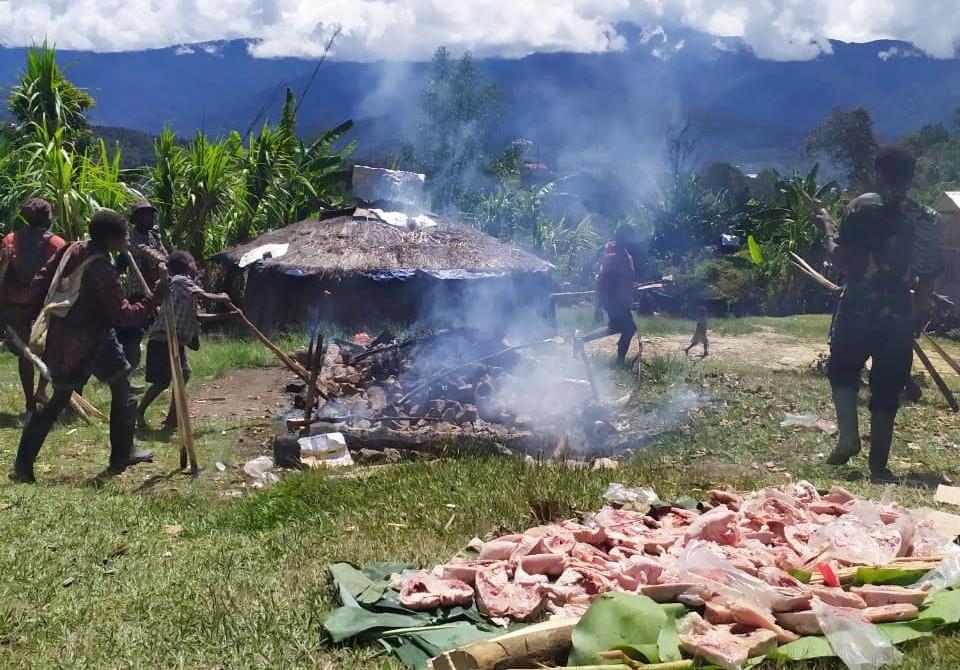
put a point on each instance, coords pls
(855, 640)
(848, 542)
(945, 576)
(701, 564)
(619, 494)
(260, 469)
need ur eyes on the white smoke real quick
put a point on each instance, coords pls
(411, 29)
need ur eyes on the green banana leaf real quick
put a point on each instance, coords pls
(630, 623)
(893, 576)
(363, 589)
(812, 647)
(801, 575)
(804, 649)
(755, 254)
(352, 621)
(943, 607)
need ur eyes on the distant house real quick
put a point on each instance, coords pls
(948, 204)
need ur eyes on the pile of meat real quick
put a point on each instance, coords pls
(731, 563)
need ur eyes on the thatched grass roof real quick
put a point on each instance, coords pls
(343, 245)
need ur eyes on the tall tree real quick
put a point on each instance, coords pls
(460, 108)
(848, 140)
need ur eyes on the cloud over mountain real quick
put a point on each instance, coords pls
(411, 29)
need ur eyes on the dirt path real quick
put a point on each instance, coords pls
(245, 394)
(767, 349)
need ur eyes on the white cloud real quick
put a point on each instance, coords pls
(411, 29)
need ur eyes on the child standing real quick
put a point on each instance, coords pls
(700, 335)
(184, 292)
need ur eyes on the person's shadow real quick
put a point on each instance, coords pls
(11, 421)
(927, 480)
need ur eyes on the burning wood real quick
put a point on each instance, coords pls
(444, 385)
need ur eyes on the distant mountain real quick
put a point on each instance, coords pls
(608, 107)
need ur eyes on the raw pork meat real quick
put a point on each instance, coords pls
(423, 591)
(497, 596)
(878, 596)
(720, 645)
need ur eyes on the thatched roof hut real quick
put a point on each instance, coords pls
(370, 265)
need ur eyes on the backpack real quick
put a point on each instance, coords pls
(61, 297)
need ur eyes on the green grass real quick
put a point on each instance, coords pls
(808, 326)
(244, 584)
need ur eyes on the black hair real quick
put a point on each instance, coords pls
(37, 212)
(896, 163)
(106, 224)
(180, 262)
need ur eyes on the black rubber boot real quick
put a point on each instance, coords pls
(123, 425)
(881, 437)
(34, 434)
(848, 425)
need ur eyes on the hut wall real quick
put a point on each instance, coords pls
(276, 300)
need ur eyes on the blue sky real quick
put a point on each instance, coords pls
(411, 29)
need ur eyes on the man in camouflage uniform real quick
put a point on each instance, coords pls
(146, 247)
(889, 250)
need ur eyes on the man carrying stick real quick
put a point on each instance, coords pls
(888, 246)
(23, 254)
(80, 341)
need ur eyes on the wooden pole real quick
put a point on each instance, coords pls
(943, 354)
(184, 428)
(937, 379)
(80, 405)
(290, 364)
(180, 402)
(316, 362)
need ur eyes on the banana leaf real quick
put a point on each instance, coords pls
(352, 621)
(362, 588)
(755, 254)
(630, 623)
(943, 607)
(816, 646)
(415, 646)
(892, 576)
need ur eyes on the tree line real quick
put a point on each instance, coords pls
(211, 193)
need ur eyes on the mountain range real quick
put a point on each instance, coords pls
(612, 106)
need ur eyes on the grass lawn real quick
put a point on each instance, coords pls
(89, 578)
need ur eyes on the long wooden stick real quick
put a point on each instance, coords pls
(184, 428)
(80, 405)
(290, 364)
(316, 362)
(180, 402)
(943, 354)
(937, 379)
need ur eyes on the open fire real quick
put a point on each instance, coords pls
(461, 386)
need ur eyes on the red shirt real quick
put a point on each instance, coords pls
(16, 282)
(73, 341)
(615, 281)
